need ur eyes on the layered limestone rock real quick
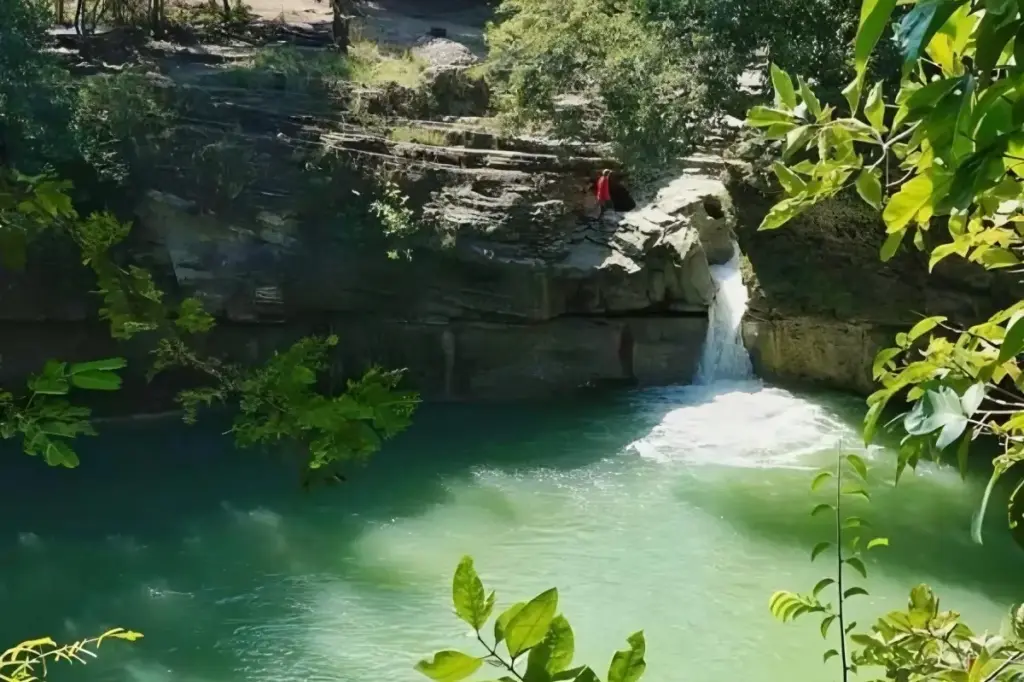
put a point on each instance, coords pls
(822, 303)
(530, 293)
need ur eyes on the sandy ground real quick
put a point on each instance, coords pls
(397, 22)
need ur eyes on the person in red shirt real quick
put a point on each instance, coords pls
(603, 189)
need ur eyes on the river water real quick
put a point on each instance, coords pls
(677, 511)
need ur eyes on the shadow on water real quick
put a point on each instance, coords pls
(162, 512)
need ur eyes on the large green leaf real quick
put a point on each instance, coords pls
(628, 665)
(785, 94)
(762, 117)
(94, 380)
(501, 623)
(529, 626)
(106, 365)
(874, 108)
(914, 197)
(869, 187)
(48, 385)
(471, 603)
(874, 15)
(449, 666)
(562, 643)
(994, 32)
(917, 28)
(1013, 343)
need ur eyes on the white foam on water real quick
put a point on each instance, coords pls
(741, 424)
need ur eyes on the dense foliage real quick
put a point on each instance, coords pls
(654, 76)
(943, 161)
(531, 632)
(914, 645)
(279, 401)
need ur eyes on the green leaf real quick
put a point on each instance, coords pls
(471, 603)
(869, 187)
(562, 643)
(825, 623)
(858, 465)
(785, 95)
(1013, 343)
(59, 453)
(822, 508)
(449, 666)
(528, 627)
(813, 105)
(628, 665)
(820, 479)
(906, 204)
(874, 15)
(856, 490)
(48, 386)
(854, 522)
(94, 380)
(852, 93)
(819, 548)
(994, 32)
(762, 117)
(874, 108)
(878, 542)
(821, 585)
(782, 212)
(587, 675)
(891, 244)
(853, 592)
(857, 565)
(918, 26)
(502, 622)
(790, 181)
(831, 653)
(108, 365)
(925, 326)
(882, 359)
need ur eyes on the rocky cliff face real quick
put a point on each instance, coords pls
(513, 285)
(822, 303)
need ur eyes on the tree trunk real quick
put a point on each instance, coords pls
(60, 11)
(227, 10)
(157, 18)
(341, 11)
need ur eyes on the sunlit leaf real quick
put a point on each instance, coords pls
(822, 584)
(528, 627)
(878, 542)
(874, 15)
(471, 603)
(502, 621)
(820, 479)
(449, 666)
(628, 665)
(785, 94)
(825, 623)
(869, 187)
(858, 465)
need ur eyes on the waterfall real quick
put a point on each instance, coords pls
(724, 356)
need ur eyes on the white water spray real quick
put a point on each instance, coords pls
(724, 356)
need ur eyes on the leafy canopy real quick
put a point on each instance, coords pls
(942, 160)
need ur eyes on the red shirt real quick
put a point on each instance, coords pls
(602, 189)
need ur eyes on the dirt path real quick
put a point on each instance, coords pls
(395, 22)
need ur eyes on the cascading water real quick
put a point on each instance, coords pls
(724, 357)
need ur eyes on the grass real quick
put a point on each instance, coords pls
(307, 70)
(427, 136)
(373, 66)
